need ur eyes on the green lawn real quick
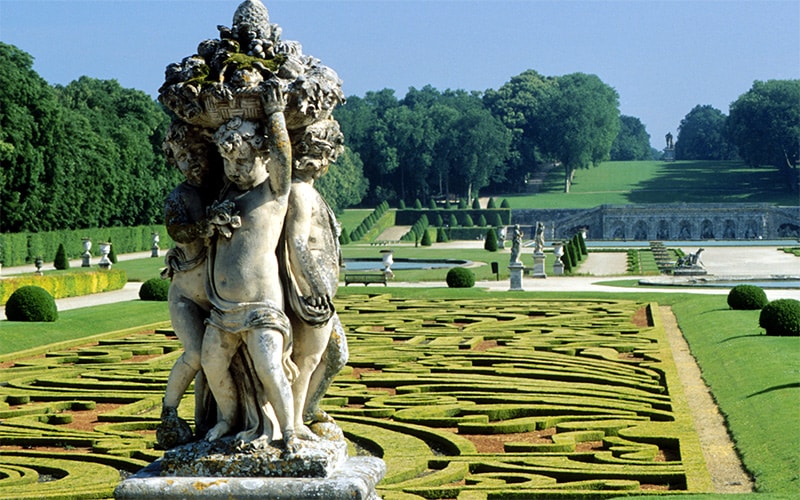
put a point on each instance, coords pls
(661, 182)
(79, 324)
(352, 217)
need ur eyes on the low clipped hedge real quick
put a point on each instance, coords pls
(781, 318)
(73, 284)
(747, 297)
(460, 277)
(155, 289)
(31, 303)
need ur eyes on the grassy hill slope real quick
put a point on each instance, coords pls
(661, 182)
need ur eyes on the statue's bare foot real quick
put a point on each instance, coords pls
(292, 443)
(304, 433)
(218, 431)
(318, 416)
(173, 430)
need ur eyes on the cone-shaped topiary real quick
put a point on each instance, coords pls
(505, 204)
(31, 303)
(460, 277)
(462, 204)
(112, 254)
(432, 204)
(490, 242)
(491, 203)
(155, 289)
(61, 262)
(426, 238)
(747, 297)
(476, 204)
(781, 318)
(453, 222)
(417, 204)
(481, 221)
(344, 238)
(401, 205)
(497, 222)
(441, 235)
(466, 220)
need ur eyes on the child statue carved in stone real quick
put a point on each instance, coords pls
(247, 298)
(313, 260)
(188, 148)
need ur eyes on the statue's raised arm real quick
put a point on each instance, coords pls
(279, 145)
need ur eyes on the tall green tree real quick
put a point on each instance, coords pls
(366, 130)
(519, 104)
(764, 124)
(580, 122)
(135, 187)
(30, 119)
(701, 136)
(632, 141)
(344, 185)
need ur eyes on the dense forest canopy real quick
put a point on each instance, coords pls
(88, 154)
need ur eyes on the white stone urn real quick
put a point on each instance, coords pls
(105, 249)
(558, 250)
(388, 259)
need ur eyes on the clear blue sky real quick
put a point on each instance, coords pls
(662, 57)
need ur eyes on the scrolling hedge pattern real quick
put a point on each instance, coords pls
(462, 398)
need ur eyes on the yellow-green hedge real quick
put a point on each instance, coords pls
(67, 285)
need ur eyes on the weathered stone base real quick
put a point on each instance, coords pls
(689, 271)
(355, 479)
(538, 266)
(224, 459)
(515, 277)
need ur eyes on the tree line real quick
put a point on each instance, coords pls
(762, 128)
(88, 154)
(453, 143)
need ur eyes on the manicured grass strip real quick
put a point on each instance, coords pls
(754, 380)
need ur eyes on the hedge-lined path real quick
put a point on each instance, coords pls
(461, 397)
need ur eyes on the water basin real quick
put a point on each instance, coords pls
(366, 264)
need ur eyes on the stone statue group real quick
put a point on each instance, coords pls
(256, 259)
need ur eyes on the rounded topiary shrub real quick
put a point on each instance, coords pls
(746, 297)
(31, 303)
(781, 318)
(154, 289)
(460, 277)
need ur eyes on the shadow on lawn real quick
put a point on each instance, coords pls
(794, 385)
(701, 182)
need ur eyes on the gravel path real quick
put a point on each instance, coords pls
(722, 462)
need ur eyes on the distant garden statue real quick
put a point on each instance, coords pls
(670, 144)
(539, 238)
(253, 273)
(516, 245)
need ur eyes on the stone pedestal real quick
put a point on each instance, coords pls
(558, 268)
(689, 271)
(516, 270)
(669, 154)
(355, 479)
(538, 265)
